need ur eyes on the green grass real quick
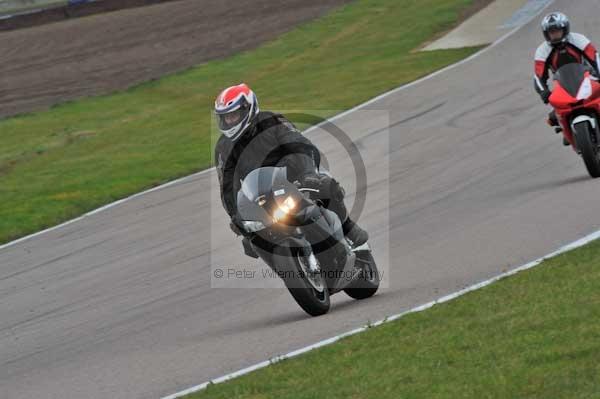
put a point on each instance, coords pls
(15, 8)
(60, 163)
(533, 335)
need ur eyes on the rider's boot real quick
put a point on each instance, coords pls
(553, 122)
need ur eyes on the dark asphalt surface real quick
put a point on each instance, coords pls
(467, 183)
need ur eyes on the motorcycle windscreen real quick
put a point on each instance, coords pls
(251, 211)
(571, 77)
(259, 184)
(262, 182)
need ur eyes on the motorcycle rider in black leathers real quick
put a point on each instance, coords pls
(561, 47)
(252, 139)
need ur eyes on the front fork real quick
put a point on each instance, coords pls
(320, 238)
(566, 130)
(566, 122)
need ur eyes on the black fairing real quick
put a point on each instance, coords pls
(264, 183)
(310, 225)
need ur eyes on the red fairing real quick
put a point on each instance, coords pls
(595, 93)
(560, 98)
(565, 105)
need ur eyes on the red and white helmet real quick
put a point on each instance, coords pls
(235, 108)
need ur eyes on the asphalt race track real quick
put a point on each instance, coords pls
(120, 304)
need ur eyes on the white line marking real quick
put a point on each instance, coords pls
(576, 244)
(105, 207)
(532, 7)
(333, 118)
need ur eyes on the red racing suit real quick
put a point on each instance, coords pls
(576, 49)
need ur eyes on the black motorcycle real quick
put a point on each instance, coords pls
(302, 241)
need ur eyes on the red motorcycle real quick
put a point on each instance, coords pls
(576, 100)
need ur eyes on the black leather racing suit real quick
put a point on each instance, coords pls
(272, 140)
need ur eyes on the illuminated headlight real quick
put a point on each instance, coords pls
(585, 91)
(284, 208)
(253, 226)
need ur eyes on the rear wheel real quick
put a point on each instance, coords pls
(307, 288)
(367, 282)
(587, 142)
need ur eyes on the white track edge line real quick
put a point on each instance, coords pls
(575, 244)
(103, 208)
(335, 117)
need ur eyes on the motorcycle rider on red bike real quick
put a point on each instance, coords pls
(252, 139)
(560, 48)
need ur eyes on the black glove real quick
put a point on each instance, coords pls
(546, 96)
(329, 188)
(312, 181)
(236, 226)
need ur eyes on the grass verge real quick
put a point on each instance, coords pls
(13, 8)
(60, 163)
(533, 335)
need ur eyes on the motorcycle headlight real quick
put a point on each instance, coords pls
(585, 91)
(284, 208)
(252, 226)
(261, 201)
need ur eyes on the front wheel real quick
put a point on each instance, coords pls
(367, 282)
(587, 143)
(308, 289)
